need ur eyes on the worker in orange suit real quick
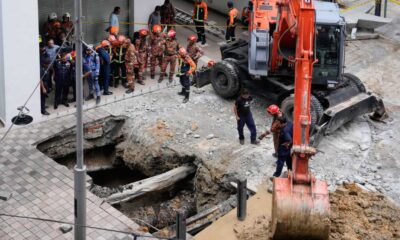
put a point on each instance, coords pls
(231, 22)
(246, 14)
(194, 51)
(186, 69)
(131, 59)
(276, 113)
(157, 50)
(200, 16)
(143, 51)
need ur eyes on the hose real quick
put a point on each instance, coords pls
(279, 43)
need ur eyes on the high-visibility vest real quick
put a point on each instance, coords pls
(235, 13)
(200, 12)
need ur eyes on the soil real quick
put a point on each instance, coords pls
(355, 214)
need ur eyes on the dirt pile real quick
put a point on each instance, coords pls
(355, 214)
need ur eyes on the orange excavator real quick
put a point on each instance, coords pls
(295, 56)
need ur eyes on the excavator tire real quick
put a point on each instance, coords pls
(225, 79)
(355, 81)
(317, 111)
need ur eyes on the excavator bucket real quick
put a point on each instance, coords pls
(300, 211)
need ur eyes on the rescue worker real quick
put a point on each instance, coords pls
(63, 74)
(136, 66)
(154, 18)
(186, 69)
(168, 14)
(105, 65)
(276, 113)
(131, 59)
(231, 22)
(246, 14)
(171, 47)
(285, 146)
(194, 51)
(119, 70)
(67, 26)
(143, 52)
(200, 16)
(114, 43)
(91, 69)
(52, 27)
(113, 29)
(157, 50)
(244, 117)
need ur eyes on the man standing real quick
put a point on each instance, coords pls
(114, 22)
(285, 146)
(63, 74)
(143, 51)
(245, 117)
(67, 26)
(168, 14)
(52, 26)
(170, 55)
(194, 51)
(105, 65)
(119, 69)
(157, 50)
(186, 69)
(131, 59)
(154, 18)
(276, 113)
(91, 69)
(200, 16)
(52, 49)
(231, 22)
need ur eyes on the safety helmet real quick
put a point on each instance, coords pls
(105, 43)
(211, 63)
(121, 38)
(73, 54)
(192, 38)
(67, 15)
(273, 109)
(157, 28)
(230, 4)
(143, 32)
(182, 51)
(171, 33)
(53, 16)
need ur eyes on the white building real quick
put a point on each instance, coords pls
(20, 24)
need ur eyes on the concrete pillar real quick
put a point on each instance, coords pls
(19, 58)
(141, 10)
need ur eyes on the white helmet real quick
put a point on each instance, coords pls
(53, 16)
(67, 14)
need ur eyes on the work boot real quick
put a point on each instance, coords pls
(89, 97)
(182, 93)
(241, 141)
(256, 142)
(152, 76)
(141, 82)
(186, 99)
(46, 113)
(160, 80)
(65, 104)
(108, 93)
(125, 85)
(98, 100)
(171, 78)
(129, 91)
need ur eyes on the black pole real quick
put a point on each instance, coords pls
(241, 199)
(378, 7)
(180, 225)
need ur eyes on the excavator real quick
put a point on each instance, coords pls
(295, 52)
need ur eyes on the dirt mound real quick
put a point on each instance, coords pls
(355, 214)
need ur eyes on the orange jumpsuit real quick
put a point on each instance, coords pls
(171, 47)
(131, 59)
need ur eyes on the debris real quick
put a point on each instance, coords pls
(196, 136)
(5, 195)
(65, 228)
(210, 136)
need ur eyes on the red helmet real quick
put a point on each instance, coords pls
(121, 39)
(157, 29)
(143, 32)
(192, 38)
(171, 33)
(211, 63)
(105, 43)
(273, 109)
(182, 51)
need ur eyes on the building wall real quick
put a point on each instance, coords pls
(19, 61)
(142, 10)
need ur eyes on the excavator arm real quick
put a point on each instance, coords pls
(300, 202)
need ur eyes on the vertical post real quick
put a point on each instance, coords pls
(378, 7)
(80, 168)
(241, 199)
(385, 9)
(180, 225)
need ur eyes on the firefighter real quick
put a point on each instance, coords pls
(186, 69)
(168, 14)
(91, 69)
(171, 47)
(143, 52)
(63, 74)
(244, 117)
(194, 51)
(119, 70)
(105, 65)
(114, 43)
(285, 146)
(157, 50)
(67, 26)
(231, 22)
(276, 113)
(131, 59)
(136, 66)
(200, 16)
(52, 27)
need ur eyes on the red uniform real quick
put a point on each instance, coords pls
(143, 51)
(195, 52)
(131, 59)
(157, 53)
(171, 47)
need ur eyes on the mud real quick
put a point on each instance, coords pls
(355, 214)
